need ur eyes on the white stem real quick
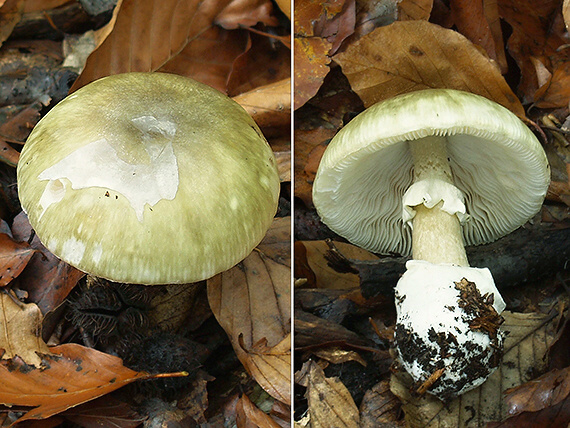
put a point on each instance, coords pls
(436, 235)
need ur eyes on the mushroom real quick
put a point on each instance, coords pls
(425, 174)
(148, 178)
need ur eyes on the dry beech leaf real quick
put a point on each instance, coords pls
(311, 67)
(14, 256)
(546, 391)
(277, 244)
(411, 10)
(526, 344)
(252, 303)
(47, 279)
(153, 35)
(248, 415)
(566, 13)
(327, 277)
(380, 408)
(10, 14)
(470, 20)
(309, 148)
(337, 355)
(269, 105)
(246, 13)
(21, 330)
(412, 55)
(72, 376)
(330, 403)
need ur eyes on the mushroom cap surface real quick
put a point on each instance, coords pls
(148, 178)
(496, 162)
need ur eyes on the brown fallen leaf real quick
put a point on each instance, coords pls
(380, 408)
(330, 403)
(269, 105)
(70, 376)
(412, 55)
(311, 67)
(324, 275)
(545, 391)
(165, 35)
(10, 14)
(277, 245)
(411, 10)
(470, 18)
(248, 415)
(47, 279)
(21, 330)
(14, 256)
(534, 38)
(252, 303)
(246, 13)
(338, 355)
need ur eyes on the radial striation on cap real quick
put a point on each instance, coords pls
(148, 178)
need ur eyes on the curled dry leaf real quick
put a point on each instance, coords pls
(21, 330)
(14, 256)
(546, 391)
(330, 403)
(325, 276)
(269, 105)
(412, 55)
(47, 279)
(10, 14)
(525, 347)
(248, 415)
(380, 408)
(252, 303)
(246, 13)
(72, 375)
(164, 35)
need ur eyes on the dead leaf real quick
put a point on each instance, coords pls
(195, 402)
(309, 148)
(566, 13)
(269, 105)
(327, 277)
(14, 256)
(311, 66)
(246, 13)
(546, 391)
(248, 415)
(176, 32)
(412, 55)
(380, 408)
(10, 14)
(337, 355)
(71, 376)
(47, 279)
(525, 347)
(532, 36)
(264, 63)
(252, 302)
(470, 18)
(21, 330)
(412, 10)
(104, 411)
(276, 244)
(330, 403)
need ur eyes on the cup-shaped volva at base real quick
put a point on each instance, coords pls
(447, 330)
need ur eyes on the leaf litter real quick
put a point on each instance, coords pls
(394, 49)
(242, 49)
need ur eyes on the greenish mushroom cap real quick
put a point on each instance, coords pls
(148, 178)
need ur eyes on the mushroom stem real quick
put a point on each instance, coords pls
(436, 234)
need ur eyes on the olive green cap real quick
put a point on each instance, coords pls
(148, 178)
